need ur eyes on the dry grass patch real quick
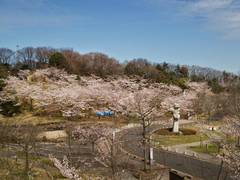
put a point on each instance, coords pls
(27, 118)
(55, 136)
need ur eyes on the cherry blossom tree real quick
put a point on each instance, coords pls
(145, 108)
(231, 151)
(54, 91)
(104, 143)
(65, 169)
(233, 111)
(91, 134)
(231, 156)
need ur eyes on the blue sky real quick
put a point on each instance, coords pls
(201, 32)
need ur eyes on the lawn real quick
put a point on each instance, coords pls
(211, 149)
(177, 139)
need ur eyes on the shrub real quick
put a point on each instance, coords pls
(3, 71)
(168, 132)
(165, 132)
(2, 84)
(181, 71)
(215, 86)
(57, 60)
(186, 131)
(181, 83)
(9, 108)
(197, 78)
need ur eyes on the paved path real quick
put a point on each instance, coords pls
(184, 149)
(187, 164)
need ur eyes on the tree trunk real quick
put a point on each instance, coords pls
(220, 170)
(26, 158)
(113, 162)
(93, 147)
(69, 146)
(144, 147)
(209, 117)
(201, 143)
(238, 141)
(31, 104)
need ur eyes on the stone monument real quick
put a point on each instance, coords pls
(176, 117)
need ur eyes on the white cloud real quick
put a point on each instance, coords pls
(219, 15)
(210, 5)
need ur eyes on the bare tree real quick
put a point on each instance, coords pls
(232, 110)
(206, 104)
(69, 140)
(6, 132)
(27, 56)
(5, 55)
(107, 152)
(72, 59)
(90, 134)
(26, 138)
(22, 136)
(103, 143)
(145, 109)
(43, 54)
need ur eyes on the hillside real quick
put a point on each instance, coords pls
(55, 92)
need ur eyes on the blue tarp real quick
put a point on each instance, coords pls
(104, 113)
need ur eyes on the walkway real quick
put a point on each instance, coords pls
(184, 163)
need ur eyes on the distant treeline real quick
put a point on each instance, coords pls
(100, 65)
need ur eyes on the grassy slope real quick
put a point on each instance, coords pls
(41, 167)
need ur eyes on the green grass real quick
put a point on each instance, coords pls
(10, 169)
(212, 149)
(178, 139)
(40, 167)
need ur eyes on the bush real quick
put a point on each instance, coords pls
(181, 71)
(3, 71)
(186, 131)
(168, 132)
(2, 84)
(165, 132)
(58, 60)
(215, 86)
(9, 108)
(197, 78)
(181, 83)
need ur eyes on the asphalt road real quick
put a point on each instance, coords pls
(186, 164)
